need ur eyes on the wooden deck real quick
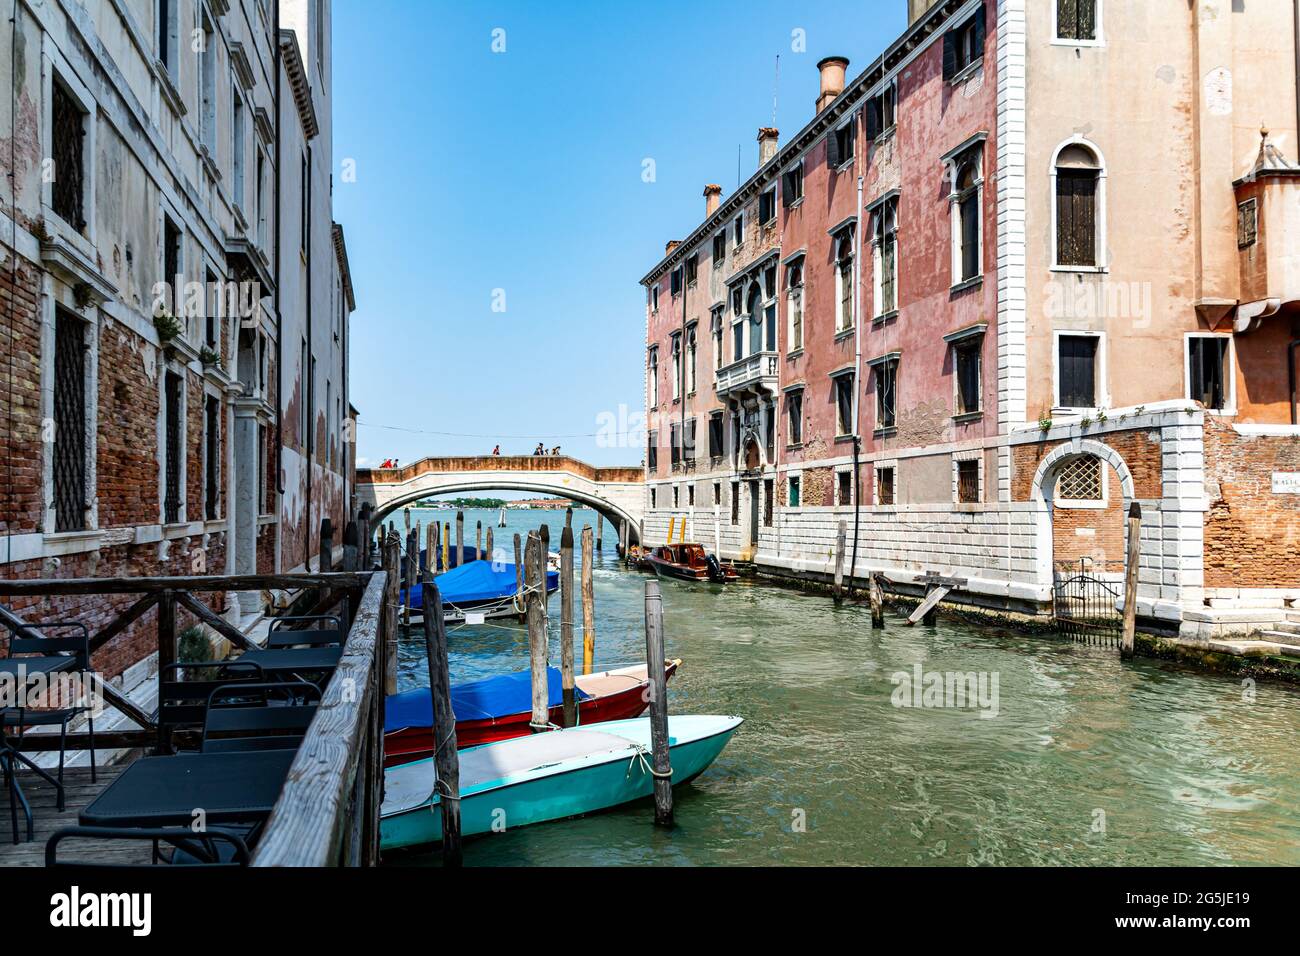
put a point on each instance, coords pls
(47, 819)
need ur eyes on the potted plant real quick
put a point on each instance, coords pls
(169, 328)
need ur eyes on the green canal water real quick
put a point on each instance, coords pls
(1087, 761)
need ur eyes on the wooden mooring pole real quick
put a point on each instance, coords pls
(588, 603)
(566, 626)
(568, 517)
(460, 538)
(412, 563)
(519, 579)
(351, 546)
(326, 562)
(600, 531)
(446, 546)
(840, 537)
(389, 553)
(478, 540)
(444, 725)
(1132, 560)
(535, 576)
(654, 658)
(546, 556)
(488, 544)
(431, 554)
(877, 601)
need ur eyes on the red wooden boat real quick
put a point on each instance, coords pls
(612, 695)
(689, 562)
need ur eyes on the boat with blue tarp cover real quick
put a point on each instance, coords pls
(484, 588)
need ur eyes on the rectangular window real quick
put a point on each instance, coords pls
(1207, 370)
(769, 431)
(167, 33)
(692, 351)
(69, 452)
(1247, 224)
(261, 469)
(207, 83)
(735, 502)
(652, 451)
(675, 281)
(172, 258)
(768, 493)
(67, 139)
(844, 488)
(738, 230)
(887, 256)
(1080, 481)
(1076, 19)
(794, 416)
(675, 446)
(886, 393)
(967, 360)
(963, 46)
(690, 496)
(213, 305)
(715, 435)
(1077, 371)
(968, 481)
(792, 185)
(715, 322)
(717, 492)
(688, 448)
(237, 145)
(840, 144)
(261, 200)
(174, 437)
(304, 212)
(654, 297)
(719, 249)
(654, 498)
(677, 365)
(328, 450)
(844, 280)
(792, 491)
(1076, 217)
(885, 485)
(794, 282)
(767, 207)
(692, 267)
(677, 497)
(211, 456)
(881, 112)
(844, 404)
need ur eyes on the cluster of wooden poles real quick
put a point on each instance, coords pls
(531, 574)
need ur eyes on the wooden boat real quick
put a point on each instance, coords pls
(505, 704)
(474, 591)
(688, 562)
(550, 776)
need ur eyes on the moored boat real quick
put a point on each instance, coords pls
(500, 708)
(483, 588)
(687, 562)
(548, 776)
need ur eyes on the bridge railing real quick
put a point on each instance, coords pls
(515, 463)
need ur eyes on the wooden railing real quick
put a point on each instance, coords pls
(328, 812)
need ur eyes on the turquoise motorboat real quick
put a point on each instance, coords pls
(549, 776)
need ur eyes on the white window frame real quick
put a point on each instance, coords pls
(794, 475)
(835, 488)
(1101, 383)
(876, 466)
(843, 326)
(1230, 408)
(717, 333)
(771, 191)
(973, 150)
(957, 340)
(168, 60)
(675, 351)
(1085, 504)
(876, 210)
(205, 61)
(1099, 41)
(1103, 265)
(738, 230)
(691, 356)
(788, 393)
(853, 153)
(976, 455)
(794, 302)
(654, 297)
(652, 375)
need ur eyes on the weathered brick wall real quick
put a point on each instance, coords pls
(1252, 536)
(126, 451)
(20, 385)
(1140, 450)
(1102, 539)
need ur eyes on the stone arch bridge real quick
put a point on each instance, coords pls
(617, 493)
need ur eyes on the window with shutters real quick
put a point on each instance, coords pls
(1077, 371)
(844, 404)
(767, 207)
(1247, 223)
(715, 436)
(1209, 370)
(1078, 180)
(966, 359)
(840, 144)
(167, 34)
(654, 297)
(768, 495)
(211, 457)
(652, 375)
(884, 251)
(792, 491)
(692, 268)
(675, 446)
(844, 280)
(1078, 20)
(67, 140)
(69, 451)
(652, 450)
(735, 502)
(738, 230)
(886, 372)
(174, 446)
(882, 112)
(794, 417)
(720, 249)
(844, 488)
(207, 52)
(675, 281)
(769, 430)
(677, 365)
(237, 144)
(688, 444)
(966, 207)
(715, 323)
(792, 184)
(692, 351)
(963, 46)
(794, 305)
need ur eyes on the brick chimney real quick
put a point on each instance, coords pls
(832, 70)
(916, 8)
(712, 199)
(767, 137)
(670, 245)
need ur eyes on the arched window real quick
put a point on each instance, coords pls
(844, 281)
(1079, 179)
(968, 213)
(755, 310)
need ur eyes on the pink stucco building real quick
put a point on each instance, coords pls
(1013, 277)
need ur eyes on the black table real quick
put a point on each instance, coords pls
(167, 791)
(282, 661)
(31, 666)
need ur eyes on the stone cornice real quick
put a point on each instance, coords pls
(299, 83)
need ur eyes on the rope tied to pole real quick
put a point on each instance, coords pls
(641, 754)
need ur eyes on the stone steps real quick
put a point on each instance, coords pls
(1256, 648)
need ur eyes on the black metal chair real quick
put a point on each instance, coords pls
(41, 655)
(214, 847)
(272, 716)
(184, 690)
(280, 636)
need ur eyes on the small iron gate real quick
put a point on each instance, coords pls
(1085, 609)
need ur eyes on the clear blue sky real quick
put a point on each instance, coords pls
(522, 171)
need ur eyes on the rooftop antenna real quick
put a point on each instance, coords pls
(737, 165)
